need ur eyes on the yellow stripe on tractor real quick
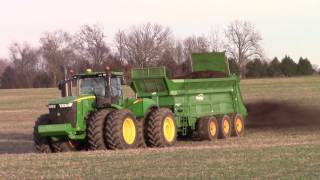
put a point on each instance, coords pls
(83, 98)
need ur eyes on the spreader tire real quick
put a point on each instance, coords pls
(224, 127)
(121, 130)
(207, 128)
(237, 125)
(95, 129)
(41, 144)
(160, 128)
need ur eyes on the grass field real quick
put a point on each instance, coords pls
(289, 151)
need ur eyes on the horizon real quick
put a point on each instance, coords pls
(282, 25)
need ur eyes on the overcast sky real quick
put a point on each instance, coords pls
(287, 26)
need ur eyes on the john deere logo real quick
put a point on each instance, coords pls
(199, 97)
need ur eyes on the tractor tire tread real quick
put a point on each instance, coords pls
(41, 144)
(95, 130)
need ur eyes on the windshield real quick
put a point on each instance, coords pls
(91, 85)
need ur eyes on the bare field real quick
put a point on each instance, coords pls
(283, 148)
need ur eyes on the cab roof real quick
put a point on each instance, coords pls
(96, 74)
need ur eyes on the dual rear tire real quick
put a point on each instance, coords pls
(123, 131)
(160, 128)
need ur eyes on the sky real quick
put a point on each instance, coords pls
(288, 27)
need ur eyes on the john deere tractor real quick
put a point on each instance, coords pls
(93, 113)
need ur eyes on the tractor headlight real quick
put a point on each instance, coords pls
(51, 106)
(65, 105)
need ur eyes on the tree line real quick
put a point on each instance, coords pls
(138, 46)
(287, 67)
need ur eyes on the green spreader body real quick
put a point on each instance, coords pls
(191, 99)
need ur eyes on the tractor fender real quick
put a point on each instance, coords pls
(115, 106)
(142, 106)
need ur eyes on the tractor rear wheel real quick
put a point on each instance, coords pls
(41, 144)
(140, 127)
(224, 127)
(95, 131)
(237, 125)
(207, 128)
(65, 145)
(160, 128)
(121, 130)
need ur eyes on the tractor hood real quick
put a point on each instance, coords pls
(70, 99)
(64, 100)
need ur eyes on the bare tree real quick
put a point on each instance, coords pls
(143, 45)
(25, 62)
(196, 44)
(119, 40)
(315, 68)
(215, 41)
(91, 44)
(3, 64)
(243, 43)
(177, 52)
(56, 50)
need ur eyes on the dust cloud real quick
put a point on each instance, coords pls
(279, 114)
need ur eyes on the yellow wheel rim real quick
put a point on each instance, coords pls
(213, 128)
(169, 129)
(238, 123)
(226, 126)
(129, 131)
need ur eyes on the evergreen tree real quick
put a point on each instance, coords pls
(274, 69)
(257, 68)
(304, 67)
(288, 66)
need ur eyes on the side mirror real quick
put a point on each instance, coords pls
(60, 85)
(63, 88)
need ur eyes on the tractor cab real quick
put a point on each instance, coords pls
(105, 86)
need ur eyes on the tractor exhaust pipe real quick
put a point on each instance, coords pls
(63, 86)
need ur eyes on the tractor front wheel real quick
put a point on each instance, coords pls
(65, 145)
(41, 144)
(160, 128)
(121, 130)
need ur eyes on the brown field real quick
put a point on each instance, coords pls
(282, 141)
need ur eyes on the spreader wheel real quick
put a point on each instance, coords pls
(207, 128)
(95, 129)
(41, 144)
(160, 128)
(237, 125)
(224, 127)
(121, 130)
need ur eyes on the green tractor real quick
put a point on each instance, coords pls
(77, 120)
(93, 114)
